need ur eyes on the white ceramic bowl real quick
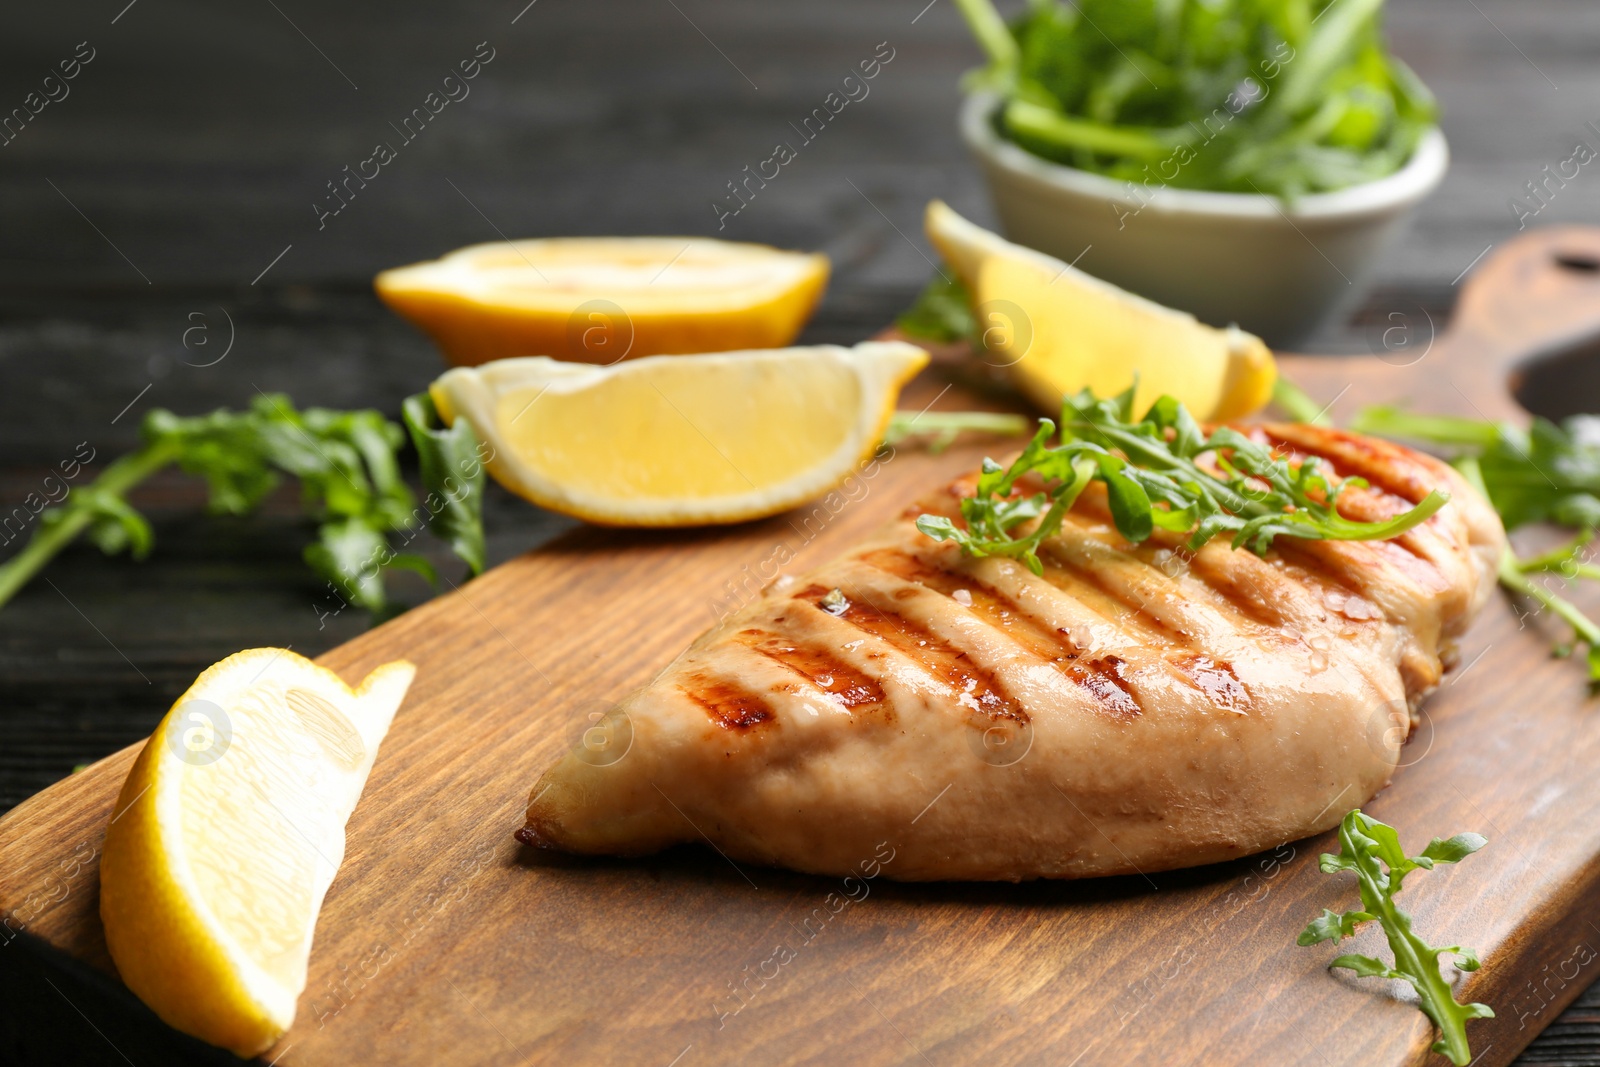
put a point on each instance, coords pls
(1278, 270)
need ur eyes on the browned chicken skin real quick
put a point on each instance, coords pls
(1136, 708)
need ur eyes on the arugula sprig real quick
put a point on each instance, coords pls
(941, 428)
(350, 481)
(1364, 844)
(1546, 473)
(1161, 471)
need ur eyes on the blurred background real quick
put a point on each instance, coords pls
(163, 212)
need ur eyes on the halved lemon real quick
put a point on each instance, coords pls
(228, 832)
(1060, 330)
(604, 299)
(681, 440)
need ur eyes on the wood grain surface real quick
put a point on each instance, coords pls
(442, 941)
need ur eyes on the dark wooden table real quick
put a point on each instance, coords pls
(173, 188)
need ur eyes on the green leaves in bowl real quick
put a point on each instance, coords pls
(1284, 97)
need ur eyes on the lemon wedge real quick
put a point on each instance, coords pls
(1060, 330)
(681, 440)
(228, 832)
(603, 299)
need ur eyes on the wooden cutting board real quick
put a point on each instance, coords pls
(443, 941)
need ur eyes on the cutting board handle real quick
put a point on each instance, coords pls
(1534, 297)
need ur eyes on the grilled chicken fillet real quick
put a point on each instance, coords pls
(1136, 708)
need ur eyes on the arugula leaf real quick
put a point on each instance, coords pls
(1364, 844)
(1160, 472)
(453, 474)
(349, 554)
(349, 474)
(942, 312)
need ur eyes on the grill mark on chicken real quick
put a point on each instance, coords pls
(1408, 553)
(1214, 678)
(1396, 480)
(983, 601)
(1121, 607)
(1353, 565)
(1333, 592)
(1103, 677)
(1107, 678)
(1253, 591)
(1245, 605)
(1095, 510)
(729, 706)
(1404, 556)
(1283, 596)
(975, 689)
(1245, 600)
(1371, 504)
(842, 684)
(1331, 571)
(1242, 598)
